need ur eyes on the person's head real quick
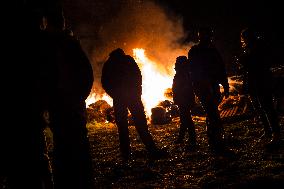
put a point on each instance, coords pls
(55, 19)
(205, 34)
(33, 18)
(248, 37)
(117, 53)
(181, 62)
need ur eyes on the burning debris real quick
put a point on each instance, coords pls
(160, 116)
(157, 98)
(100, 111)
(164, 112)
(235, 108)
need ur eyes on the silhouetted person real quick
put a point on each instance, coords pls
(184, 98)
(68, 79)
(207, 72)
(22, 143)
(122, 80)
(256, 61)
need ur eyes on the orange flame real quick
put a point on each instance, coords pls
(154, 83)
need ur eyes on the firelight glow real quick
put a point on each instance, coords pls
(154, 83)
(93, 97)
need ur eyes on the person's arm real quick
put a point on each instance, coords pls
(106, 78)
(222, 77)
(136, 74)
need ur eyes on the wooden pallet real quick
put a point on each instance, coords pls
(238, 112)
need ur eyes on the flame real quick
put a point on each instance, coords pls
(154, 82)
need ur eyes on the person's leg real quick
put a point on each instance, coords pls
(183, 123)
(72, 158)
(271, 115)
(25, 153)
(213, 120)
(214, 128)
(258, 105)
(121, 119)
(191, 129)
(138, 114)
(137, 111)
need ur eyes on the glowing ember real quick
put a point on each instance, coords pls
(93, 97)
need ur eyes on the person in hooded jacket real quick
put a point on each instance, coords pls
(122, 81)
(184, 98)
(256, 62)
(68, 78)
(207, 73)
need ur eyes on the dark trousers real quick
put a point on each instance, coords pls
(264, 107)
(186, 123)
(72, 160)
(136, 108)
(209, 96)
(22, 152)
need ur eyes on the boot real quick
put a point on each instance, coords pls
(217, 144)
(192, 139)
(192, 146)
(125, 152)
(156, 153)
(179, 140)
(181, 134)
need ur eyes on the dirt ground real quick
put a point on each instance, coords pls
(253, 165)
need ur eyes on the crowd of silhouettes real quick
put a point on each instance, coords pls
(57, 77)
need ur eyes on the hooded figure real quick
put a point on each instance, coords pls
(184, 98)
(68, 79)
(207, 72)
(122, 80)
(256, 62)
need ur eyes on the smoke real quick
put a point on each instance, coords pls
(133, 24)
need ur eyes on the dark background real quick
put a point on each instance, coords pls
(227, 17)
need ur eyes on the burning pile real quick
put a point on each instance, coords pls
(154, 86)
(100, 111)
(157, 96)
